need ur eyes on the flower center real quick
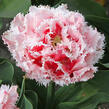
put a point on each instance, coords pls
(56, 40)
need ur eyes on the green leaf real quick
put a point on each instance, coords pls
(0, 81)
(45, 2)
(84, 95)
(106, 65)
(6, 71)
(18, 75)
(26, 104)
(33, 85)
(9, 8)
(75, 93)
(90, 103)
(105, 57)
(86, 7)
(66, 92)
(22, 91)
(42, 2)
(50, 96)
(32, 97)
(56, 2)
(1, 23)
(101, 81)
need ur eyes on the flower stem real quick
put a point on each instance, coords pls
(22, 91)
(50, 96)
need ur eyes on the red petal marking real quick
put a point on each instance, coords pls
(71, 75)
(58, 29)
(52, 55)
(62, 58)
(73, 38)
(6, 93)
(52, 35)
(38, 60)
(58, 73)
(67, 65)
(51, 65)
(74, 62)
(37, 48)
(47, 77)
(44, 40)
(67, 49)
(46, 31)
(29, 54)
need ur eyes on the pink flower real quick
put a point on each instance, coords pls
(8, 97)
(54, 44)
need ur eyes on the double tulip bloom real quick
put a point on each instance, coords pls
(54, 44)
(8, 97)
